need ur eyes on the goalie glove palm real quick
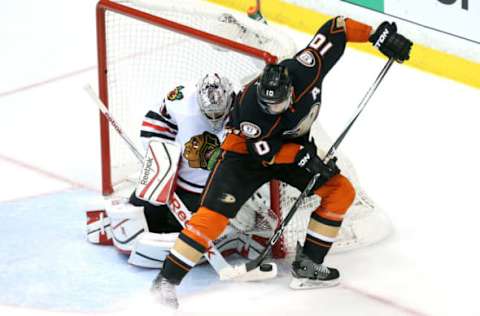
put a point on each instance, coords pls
(199, 149)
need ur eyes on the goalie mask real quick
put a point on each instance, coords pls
(214, 95)
(274, 89)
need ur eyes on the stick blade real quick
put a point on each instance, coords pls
(239, 273)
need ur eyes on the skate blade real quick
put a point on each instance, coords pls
(307, 284)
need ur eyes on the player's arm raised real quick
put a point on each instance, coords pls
(331, 39)
(327, 47)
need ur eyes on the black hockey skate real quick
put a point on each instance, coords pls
(307, 274)
(164, 292)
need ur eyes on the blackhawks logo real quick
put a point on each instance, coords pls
(175, 94)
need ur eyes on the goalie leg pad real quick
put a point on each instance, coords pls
(234, 241)
(250, 246)
(150, 249)
(128, 222)
(364, 224)
(99, 230)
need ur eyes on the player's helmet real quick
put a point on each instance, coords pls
(215, 95)
(274, 89)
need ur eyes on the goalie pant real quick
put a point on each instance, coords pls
(159, 218)
(257, 137)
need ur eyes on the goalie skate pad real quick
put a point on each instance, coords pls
(127, 222)
(150, 249)
(157, 178)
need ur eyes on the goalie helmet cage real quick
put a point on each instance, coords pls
(146, 48)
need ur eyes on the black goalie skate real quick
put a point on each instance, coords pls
(307, 274)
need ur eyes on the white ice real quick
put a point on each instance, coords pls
(415, 148)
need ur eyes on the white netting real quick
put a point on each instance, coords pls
(145, 61)
(364, 224)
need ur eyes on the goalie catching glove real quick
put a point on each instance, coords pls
(202, 151)
(307, 158)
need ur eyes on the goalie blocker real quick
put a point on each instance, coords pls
(157, 178)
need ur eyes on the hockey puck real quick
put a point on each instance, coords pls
(266, 267)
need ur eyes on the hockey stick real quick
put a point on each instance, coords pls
(333, 150)
(217, 261)
(238, 272)
(88, 88)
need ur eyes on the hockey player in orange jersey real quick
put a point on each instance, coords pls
(269, 138)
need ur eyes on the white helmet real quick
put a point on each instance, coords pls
(215, 98)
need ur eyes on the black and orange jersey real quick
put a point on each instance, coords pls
(277, 138)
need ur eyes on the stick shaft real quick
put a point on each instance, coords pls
(113, 122)
(332, 151)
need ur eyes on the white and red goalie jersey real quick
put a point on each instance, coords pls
(178, 118)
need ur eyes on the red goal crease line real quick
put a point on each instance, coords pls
(47, 81)
(47, 174)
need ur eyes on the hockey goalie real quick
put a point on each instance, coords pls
(181, 136)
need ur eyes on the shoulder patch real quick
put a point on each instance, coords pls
(339, 24)
(175, 94)
(250, 130)
(307, 59)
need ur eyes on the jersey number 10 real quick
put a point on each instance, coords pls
(319, 43)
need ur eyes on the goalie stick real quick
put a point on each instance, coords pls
(239, 272)
(178, 209)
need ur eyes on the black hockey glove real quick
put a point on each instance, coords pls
(390, 43)
(307, 158)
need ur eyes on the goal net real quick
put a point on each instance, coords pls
(147, 47)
